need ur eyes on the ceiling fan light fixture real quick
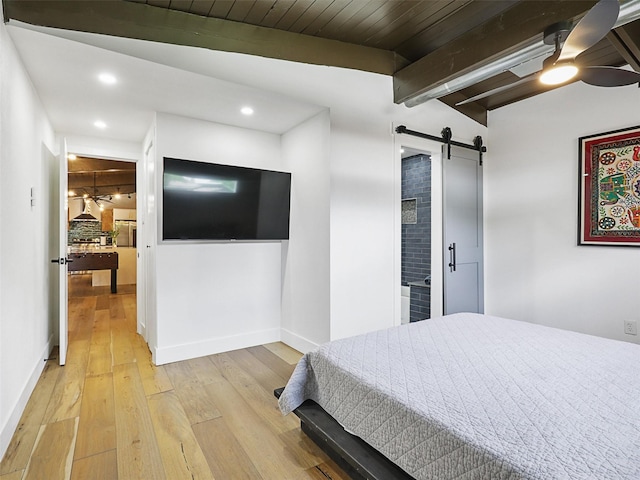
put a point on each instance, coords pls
(559, 73)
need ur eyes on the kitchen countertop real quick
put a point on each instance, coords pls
(93, 248)
(89, 248)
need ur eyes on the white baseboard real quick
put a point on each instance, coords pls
(211, 346)
(296, 341)
(9, 428)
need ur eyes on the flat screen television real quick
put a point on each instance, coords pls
(209, 201)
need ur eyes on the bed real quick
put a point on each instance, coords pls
(471, 396)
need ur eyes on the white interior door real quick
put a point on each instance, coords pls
(63, 204)
(141, 289)
(52, 198)
(142, 241)
(149, 244)
(463, 233)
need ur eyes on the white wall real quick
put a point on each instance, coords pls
(339, 271)
(366, 196)
(534, 269)
(362, 229)
(213, 297)
(25, 330)
(306, 256)
(100, 147)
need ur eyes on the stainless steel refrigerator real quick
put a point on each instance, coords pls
(127, 236)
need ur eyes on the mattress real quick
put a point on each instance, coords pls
(471, 396)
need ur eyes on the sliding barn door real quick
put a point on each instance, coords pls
(462, 225)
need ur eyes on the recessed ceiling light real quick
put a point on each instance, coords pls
(99, 124)
(71, 156)
(107, 78)
(71, 193)
(246, 110)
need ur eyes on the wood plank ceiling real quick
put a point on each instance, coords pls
(101, 179)
(422, 44)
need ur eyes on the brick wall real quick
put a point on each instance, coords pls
(84, 229)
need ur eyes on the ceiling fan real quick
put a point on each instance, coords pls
(103, 193)
(560, 67)
(98, 198)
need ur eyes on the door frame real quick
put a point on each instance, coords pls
(56, 253)
(432, 148)
(63, 278)
(108, 154)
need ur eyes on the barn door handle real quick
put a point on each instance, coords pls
(452, 257)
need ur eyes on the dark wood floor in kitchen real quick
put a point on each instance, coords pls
(111, 414)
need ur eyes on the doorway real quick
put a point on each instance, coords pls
(456, 274)
(102, 222)
(406, 144)
(416, 235)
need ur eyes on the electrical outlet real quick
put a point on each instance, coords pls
(630, 327)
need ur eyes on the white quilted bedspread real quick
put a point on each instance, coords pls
(477, 397)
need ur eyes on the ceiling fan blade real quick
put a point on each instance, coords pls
(608, 76)
(590, 29)
(499, 89)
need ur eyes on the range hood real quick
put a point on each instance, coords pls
(85, 216)
(86, 213)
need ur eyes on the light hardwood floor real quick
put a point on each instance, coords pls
(109, 413)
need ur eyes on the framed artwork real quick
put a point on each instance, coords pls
(609, 200)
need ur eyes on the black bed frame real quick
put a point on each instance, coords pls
(357, 458)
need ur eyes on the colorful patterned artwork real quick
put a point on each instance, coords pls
(610, 188)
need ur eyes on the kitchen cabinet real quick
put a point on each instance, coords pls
(107, 220)
(124, 214)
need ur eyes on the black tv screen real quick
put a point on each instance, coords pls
(209, 201)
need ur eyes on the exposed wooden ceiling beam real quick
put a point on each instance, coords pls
(503, 35)
(473, 110)
(626, 40)
(145, 22)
